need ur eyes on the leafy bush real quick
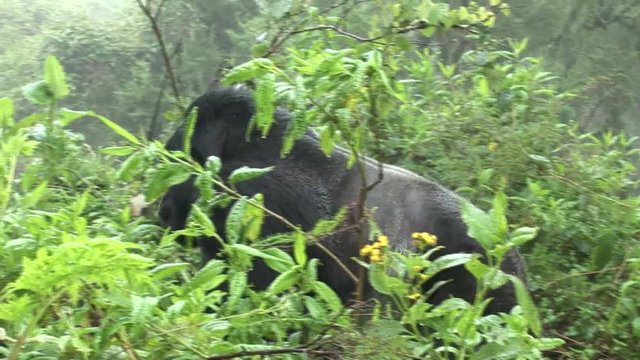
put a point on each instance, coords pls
(83, 281)
(82, 277)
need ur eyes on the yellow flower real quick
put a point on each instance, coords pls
(417, 268)
(383, 241)
(375, 259)
(366, 250)
(414, 296)
(423, 277)
(429, 239)
(424, 238)
(492, 146)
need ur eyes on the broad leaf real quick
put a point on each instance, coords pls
(284, 281)
(247, 71)
(246, 173)
(55, 78)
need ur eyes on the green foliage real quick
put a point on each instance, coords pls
(83, 277)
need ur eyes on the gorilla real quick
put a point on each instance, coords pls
(306, 186)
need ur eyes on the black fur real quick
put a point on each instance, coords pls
(307, 186)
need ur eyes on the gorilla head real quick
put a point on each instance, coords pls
(306, 186)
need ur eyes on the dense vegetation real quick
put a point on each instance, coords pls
(434, 86)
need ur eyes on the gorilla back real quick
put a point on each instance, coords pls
(306, 186)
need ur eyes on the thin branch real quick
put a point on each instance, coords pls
(282, 35)
(151, 132)
(586, 273)
(126, 345)
(146, 9)
(159, 9)
(339, 31)
(299, 350)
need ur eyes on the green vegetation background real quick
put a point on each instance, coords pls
(548, 121)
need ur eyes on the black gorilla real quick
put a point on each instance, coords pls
(307, 186)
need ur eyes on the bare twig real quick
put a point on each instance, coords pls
(339, 31)
(126, 345)
(586, 273)
(153, 20)
(159, 9)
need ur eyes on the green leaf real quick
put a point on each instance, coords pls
(545, 344)
(523, 235)
(245, 219)
(253, 217)
(327, 226)
(6, 112)
(134, 165)
(237, 285)
(246, 173)
(482, 86)
(116, 128)
(499, 351)
(284, 281)
(265, 103)
(635, 327)
(67, 116)
(162, 178)
(529, 309)
(379, 281)
(284, 262)
(328, 296)
(199, 217)
(247, 71)
(437, 12)
(142, 308)
(233, 227)
(257, 253)
(299, 248)
(311, 272)
(479, 224)
(448, 261)
(477, 268)
(540, 158)
(314, 308)
(300, 119)
(34, 196)
(55, 78)
(37, 92)
(165, 270)
(326, 140)
(189, 128)
(498, 218)
(603, 252)
(118, 150)
(209, 277)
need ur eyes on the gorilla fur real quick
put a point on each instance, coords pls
(306, 186)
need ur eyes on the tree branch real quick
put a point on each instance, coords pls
(299, 350)
(153, 20)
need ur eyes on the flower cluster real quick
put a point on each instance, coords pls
(374, 251)
(422, 239)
